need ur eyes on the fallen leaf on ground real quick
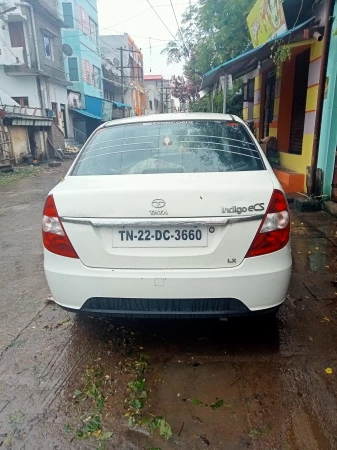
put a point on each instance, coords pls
(328, 370)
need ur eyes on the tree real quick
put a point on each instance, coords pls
(212, 32)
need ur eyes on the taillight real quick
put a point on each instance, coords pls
(55, 238)
(274, 231)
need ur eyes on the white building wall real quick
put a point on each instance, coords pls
(56, 93)
(12, 56)
(152, 93)
(22, 86)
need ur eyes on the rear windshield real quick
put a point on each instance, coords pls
(169, 147)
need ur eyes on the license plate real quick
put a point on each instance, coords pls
(159, 237)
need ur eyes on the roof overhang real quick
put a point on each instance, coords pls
(87, 113)
(250, 60)
(25, 122)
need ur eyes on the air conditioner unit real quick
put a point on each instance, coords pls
(50, 113)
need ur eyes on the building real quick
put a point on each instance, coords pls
(83, 66)
(113, 89)
(158, 96)
(283, 78)
(127, 63)
(327, 154)
(23, 132)
(32, 71)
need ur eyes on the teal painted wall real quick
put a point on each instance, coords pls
(328, 138)
(84, 48)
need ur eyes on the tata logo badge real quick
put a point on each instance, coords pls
(158, 203)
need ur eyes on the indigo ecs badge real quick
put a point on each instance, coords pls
(242, 209)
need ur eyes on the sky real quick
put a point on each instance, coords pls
(137, 18)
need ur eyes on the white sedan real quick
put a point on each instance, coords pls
(175, 215)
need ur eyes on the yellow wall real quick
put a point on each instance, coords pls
(312, 94)
(258, 82)
(256, 111)
(273, 132)
(276, 106)
(316, 50)
(245, 113)
(299, 163)
(20, 141)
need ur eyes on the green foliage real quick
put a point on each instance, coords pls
(91, 401)
(207, 39)
(217, 404)
(280, 52)
(208, 30)
(159, 423)
(234, 102)
(196, 401)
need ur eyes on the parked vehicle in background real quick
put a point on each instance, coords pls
(176, 215)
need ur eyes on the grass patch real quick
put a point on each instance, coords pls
(21, 172)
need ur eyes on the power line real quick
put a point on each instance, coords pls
(179, 29)
(126, 20)
(162, 21)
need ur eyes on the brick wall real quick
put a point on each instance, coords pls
(56, 136)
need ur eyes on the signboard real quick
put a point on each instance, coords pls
(265, 21)
(107, 108)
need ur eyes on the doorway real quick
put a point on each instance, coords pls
(334, 181)
(55, 115)
(269, 99)
(64, 119)
(80, 130)
(299, 102)
(32, 141)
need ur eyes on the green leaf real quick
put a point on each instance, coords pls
(106, 435)
(80, 434)
(138, 385)
(217, 404)
(67, 428)
(196, 401)
(165, 430)
(137, 403)
(77, 393)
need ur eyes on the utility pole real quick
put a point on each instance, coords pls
(122, 78)
(166, 89)
(162, 96)
(121, 49)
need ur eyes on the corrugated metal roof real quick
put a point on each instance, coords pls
(244, 63)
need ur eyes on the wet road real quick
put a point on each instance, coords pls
(242, 384)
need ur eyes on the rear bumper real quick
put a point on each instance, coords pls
(257, 284)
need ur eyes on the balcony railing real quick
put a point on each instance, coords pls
(23, 110)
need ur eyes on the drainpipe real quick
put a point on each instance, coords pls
(28, 5)
(320, 95)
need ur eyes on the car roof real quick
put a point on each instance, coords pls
(172, 117)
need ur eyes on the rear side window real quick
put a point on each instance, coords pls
(169, 147)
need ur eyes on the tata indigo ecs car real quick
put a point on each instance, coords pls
(170, 215)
